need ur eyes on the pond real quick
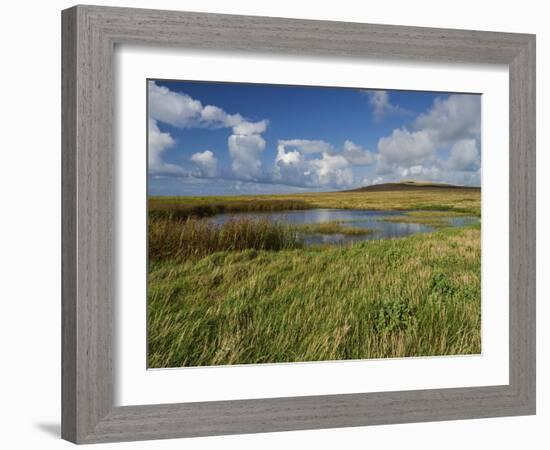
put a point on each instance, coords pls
(356, 218)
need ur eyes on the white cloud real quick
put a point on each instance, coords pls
(173, 108)
(381, 105)
(290, 166)
(306, 145)
(207, 162)
(451, 125)
(182, 111)
(291, 157)
(245, 148)
(412, 171)
(297, 163)
(454, 118)
(357, 155)
(331, 170)
(437, 172)
(406, 148)
(248, 128)
(215, 116)
(464, 156)
(245, 151)
(158, 142)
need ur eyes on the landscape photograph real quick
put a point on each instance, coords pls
(293, 224)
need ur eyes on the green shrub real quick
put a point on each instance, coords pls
(394, 315)
(440, 284)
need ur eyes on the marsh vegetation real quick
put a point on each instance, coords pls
(251, 290)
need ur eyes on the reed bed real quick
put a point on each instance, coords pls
(183, 208)
(192, 238)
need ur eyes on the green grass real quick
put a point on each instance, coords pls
(432, 218)
(248, 292)
(416, 296)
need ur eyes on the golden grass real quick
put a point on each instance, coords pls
(453, 200)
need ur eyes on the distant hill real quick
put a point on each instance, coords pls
(411, 185)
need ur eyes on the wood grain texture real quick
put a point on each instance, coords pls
(88, 209)
(68, 225)
(523, 224)
(89, 36)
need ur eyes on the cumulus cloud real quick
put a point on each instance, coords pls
(288, 157)
(464, 156)
(406, 148)
(316, 163)
(412, 171)
(245, 150)
(207, 163)
(182, 111)
(173, 108)
(331, 170)
(248, 128)
(381, 105)
(451, 125)
(290, 166)
(440, 145)
(158, 142)
(304, 162)
(357, 155)
(431, 172)
(306, 145)
(454, 118)
(214, 116)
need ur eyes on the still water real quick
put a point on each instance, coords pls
(373, 220)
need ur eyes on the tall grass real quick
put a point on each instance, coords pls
(416, 296)
(182, 208)
(191, 238)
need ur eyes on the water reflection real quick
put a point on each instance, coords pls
(380, 229)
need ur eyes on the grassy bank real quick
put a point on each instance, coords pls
(415, 296)
(453, 200)
(184, 207)
(436, 219)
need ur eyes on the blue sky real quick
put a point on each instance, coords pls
(227, 138)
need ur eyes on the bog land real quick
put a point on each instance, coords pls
(254, 289)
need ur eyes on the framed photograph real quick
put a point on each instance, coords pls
(277, 224)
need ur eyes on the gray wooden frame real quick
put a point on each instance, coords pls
(89, 36)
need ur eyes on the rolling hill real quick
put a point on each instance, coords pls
(411, 185)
